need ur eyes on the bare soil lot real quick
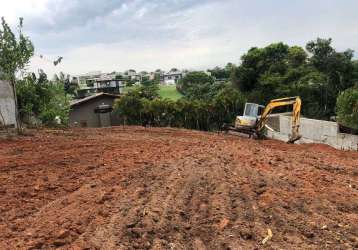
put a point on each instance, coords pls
(159, 188)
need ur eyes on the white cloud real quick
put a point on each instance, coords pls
(117, 35)
(12, 9)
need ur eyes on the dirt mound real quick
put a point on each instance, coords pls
(136, 188)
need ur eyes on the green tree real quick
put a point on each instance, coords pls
(130, 108)
(40, 98)
(57, 107)
(149, 89)
(228, 103)
(70, 87)
(220, 73)
(347, 108)
(297, 56)
(271, 60)
(321, 51)
(198, 85)
(355, 72)
(15, 53)
(278, 70)
(337, 66)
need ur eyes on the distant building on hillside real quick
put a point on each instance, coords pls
(152, 76)
(130, 72)
(172, 77)
(132, 75)
(83, 79)
(7, 105)
(109, 86)
(97, 82)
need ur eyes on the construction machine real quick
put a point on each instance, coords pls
(254, 120)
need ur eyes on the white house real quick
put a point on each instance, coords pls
(7, 105)
(85, 78)
(172, 77)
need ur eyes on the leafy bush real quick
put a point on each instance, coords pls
(57, 107)
(129, 107)
(42, 99)
(198, 85)
(347, 108)
(134, 109)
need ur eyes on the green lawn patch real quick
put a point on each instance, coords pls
(165, 91)
(169, 92)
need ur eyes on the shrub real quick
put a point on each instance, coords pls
(42, 99)
(347, 108)
(192, 114)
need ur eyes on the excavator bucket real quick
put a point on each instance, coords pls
(294, 138)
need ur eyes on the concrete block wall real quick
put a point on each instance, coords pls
(7, 104)
(310, 128)
(343, 141)
(316, 131)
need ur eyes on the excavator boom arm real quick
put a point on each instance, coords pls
(296, 102)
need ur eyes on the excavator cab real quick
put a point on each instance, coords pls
(252, 113)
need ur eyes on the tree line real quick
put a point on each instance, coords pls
(326, 81)
(137, 108)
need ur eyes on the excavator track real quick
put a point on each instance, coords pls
(240, 129)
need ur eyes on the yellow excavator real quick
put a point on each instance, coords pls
(253, 121)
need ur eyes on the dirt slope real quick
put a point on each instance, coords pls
(136, 188)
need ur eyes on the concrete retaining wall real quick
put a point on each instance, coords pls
(7, 104)
(316, 131)
(310, 128)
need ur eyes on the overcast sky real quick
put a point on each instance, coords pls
(115, 35)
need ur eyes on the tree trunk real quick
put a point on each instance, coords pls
(3, 121)
(17, 116)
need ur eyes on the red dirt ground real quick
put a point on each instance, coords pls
(155, 188)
